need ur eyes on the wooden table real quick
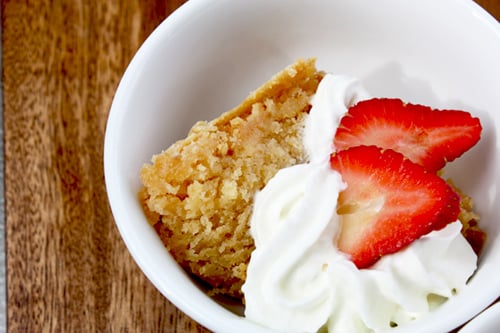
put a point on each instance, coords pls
(67, 267)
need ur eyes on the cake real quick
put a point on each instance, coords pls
(198, 193)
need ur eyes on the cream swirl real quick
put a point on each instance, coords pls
(297, 280)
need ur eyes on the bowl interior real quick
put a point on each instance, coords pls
(207, 56)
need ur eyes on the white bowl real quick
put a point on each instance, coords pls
(487, 321)
(208, 55)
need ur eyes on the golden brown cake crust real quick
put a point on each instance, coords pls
(198, 193)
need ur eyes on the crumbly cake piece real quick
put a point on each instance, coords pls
(198, 193)
(469, 219)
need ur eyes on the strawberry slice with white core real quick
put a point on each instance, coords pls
(389, 202)
(426, 136)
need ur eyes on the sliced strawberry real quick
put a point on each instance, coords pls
(389, 202)
(425, 136)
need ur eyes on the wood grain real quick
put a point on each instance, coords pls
(67, 268)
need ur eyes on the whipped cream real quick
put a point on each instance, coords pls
(298, 281)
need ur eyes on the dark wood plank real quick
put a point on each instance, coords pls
(68, 270)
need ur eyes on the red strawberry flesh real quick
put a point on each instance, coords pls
(389, 202)
(426, 136)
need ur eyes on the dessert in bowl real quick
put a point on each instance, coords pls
(162, 95)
